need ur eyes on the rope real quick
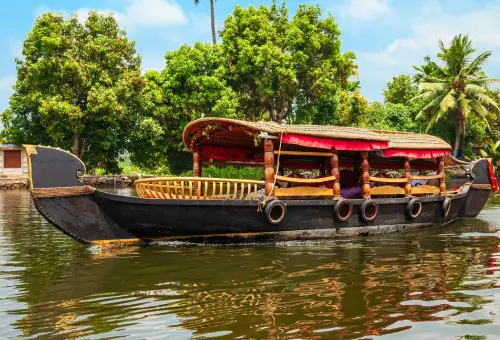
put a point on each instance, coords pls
(260, 205)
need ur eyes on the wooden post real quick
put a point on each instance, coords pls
(365, 175)
(334, 168)
(197, 169)
(408, 178)
(196, 162)
(442, 180)
(268, 166)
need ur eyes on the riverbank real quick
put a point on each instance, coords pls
(13, 181)
(112, 181)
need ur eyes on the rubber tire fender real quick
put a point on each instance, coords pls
(338, 206)
(363, 208)
(445, 208)
(268, 209)
(409, 208)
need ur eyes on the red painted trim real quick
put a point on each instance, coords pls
(416, 153)
(328, 143)
(493, 179)
(221, 153)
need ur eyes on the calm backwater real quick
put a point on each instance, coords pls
(435, 284)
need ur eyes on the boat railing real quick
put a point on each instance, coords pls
(391, 187)
(197, 188)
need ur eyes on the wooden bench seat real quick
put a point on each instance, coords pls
(389, 190)
(303, 192)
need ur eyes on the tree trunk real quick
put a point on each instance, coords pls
(457, 140)
(76, 143)
(83, 149)
(212, 19)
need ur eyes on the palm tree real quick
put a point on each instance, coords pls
(212, 18)
(457, 88)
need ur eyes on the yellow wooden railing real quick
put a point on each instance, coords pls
(197, 188)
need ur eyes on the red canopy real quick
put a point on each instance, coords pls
(416, 153)
(338, 144)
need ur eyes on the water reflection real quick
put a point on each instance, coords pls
(442, 282)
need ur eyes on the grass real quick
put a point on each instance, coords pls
(229, 172)
(209, 171)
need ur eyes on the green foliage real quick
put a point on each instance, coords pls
(400, 90)
(192, 83)
(492, 150)
(265, 63)
(456, 90)
(76, 88)
(230, 172)
(286, 68)
(389, 116)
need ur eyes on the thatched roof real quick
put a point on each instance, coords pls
(231, 132)
(412, 140)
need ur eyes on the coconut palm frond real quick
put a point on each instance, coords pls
(476, 64)
(485, 80)
(448, 102)
(480, 110)
(464, 105)
(434, 86)
(486, 100)
(472, 89)
(424, 96)
(438, 114)
(431, 106)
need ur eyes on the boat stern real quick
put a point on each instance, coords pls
(483, 183)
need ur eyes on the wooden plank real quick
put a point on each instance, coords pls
(427, 177)
(305, 180)
(242, 190)
(303, 192)
(424, 189)
(387, 190)
(388, 180)
(481, 186)
(304, 153)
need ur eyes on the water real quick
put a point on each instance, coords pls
(441, 283)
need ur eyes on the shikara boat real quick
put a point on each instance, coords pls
(360, 182)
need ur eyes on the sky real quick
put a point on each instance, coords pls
(387, 36)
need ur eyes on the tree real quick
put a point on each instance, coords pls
(456, 89)
(286, 68)
(212, 19)
(192, 84)
(76, 87)
(389, 116)
(400, 90)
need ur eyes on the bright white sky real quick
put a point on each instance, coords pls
(388, 36)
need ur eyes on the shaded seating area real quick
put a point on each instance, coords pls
(341, 162)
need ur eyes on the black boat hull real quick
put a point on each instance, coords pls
(102, 218)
